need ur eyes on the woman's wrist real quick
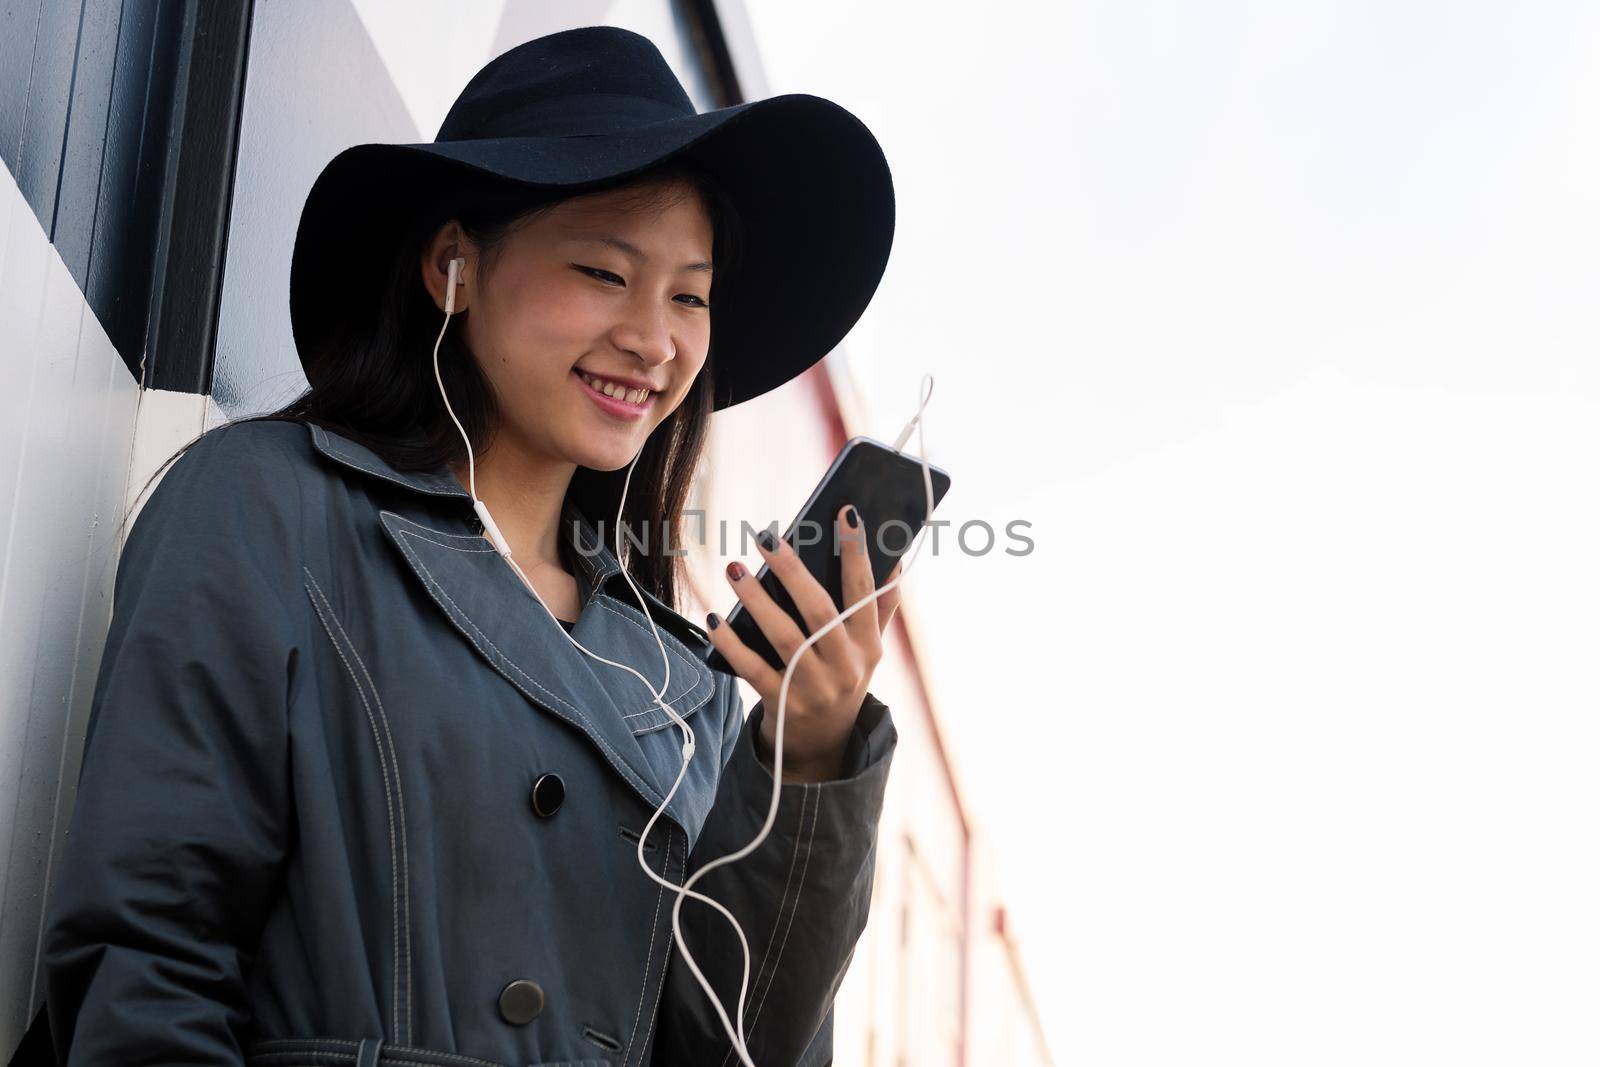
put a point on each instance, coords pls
(825, 769)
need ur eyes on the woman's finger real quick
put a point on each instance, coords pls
(815, 605)
(774, 623)
(746, 662)
(856, 567)
(889, 602)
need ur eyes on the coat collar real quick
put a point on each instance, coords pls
(596, 562)
(484, 599)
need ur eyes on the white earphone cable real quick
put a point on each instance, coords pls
(492, 531)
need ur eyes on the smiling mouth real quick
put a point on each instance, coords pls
(615, 391)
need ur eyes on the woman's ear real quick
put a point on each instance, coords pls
(447, 244)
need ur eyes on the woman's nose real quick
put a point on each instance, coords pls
(651, 342)
(655, 352)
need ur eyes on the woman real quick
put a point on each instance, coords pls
(350, 795)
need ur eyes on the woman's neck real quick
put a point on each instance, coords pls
(524, 494)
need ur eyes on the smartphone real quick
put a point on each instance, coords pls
(886, 488)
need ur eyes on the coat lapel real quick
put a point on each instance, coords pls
(485, 600)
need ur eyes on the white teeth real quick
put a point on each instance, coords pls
(611, 389)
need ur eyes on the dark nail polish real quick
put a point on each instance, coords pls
(712, 622)
(851, 518)
(768, 542)
(736, 570)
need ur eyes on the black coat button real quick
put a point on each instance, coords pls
(548, 793)
(521, 1002)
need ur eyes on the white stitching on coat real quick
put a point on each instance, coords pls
(346, 458)
(807, 790)
(453, 548)
(669, 642)
(472, 542)
(816, 809)
(477, 539)
(388, 799)
(661, 980)
(627, 1053)
(400, 804)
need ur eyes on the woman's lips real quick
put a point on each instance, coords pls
(614, 405)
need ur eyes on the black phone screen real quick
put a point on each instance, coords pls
(886, 488)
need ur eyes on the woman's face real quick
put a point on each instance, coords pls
(596, 291)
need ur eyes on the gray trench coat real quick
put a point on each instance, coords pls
(349, 797)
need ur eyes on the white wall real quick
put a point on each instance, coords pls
(67, 418)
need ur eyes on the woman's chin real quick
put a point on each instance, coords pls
(605, 456)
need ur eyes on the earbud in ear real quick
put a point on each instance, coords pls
(450, 286)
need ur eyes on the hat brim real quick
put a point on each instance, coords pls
(808, 179)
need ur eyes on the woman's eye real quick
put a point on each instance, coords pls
(603, 275)
(607, 276)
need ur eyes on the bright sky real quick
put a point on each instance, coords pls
(1278, 323)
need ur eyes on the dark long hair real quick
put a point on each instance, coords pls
(374, 382)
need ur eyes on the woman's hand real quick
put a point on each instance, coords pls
(831, 679)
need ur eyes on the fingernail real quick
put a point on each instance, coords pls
(850, 516)
(712, 622)
(768, 542)
(736, 570)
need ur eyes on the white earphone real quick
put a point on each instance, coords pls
(492, 532)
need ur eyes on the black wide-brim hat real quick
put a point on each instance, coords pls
(592, 105)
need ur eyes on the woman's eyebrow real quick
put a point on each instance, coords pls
(634, 252)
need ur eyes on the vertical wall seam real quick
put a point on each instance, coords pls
(66, 125)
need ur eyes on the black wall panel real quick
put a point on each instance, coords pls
(84, 145)
(118, 120)
(38, 91)
(128, 205)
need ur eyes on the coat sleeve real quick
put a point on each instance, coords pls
(181, 824)
(801, 898)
